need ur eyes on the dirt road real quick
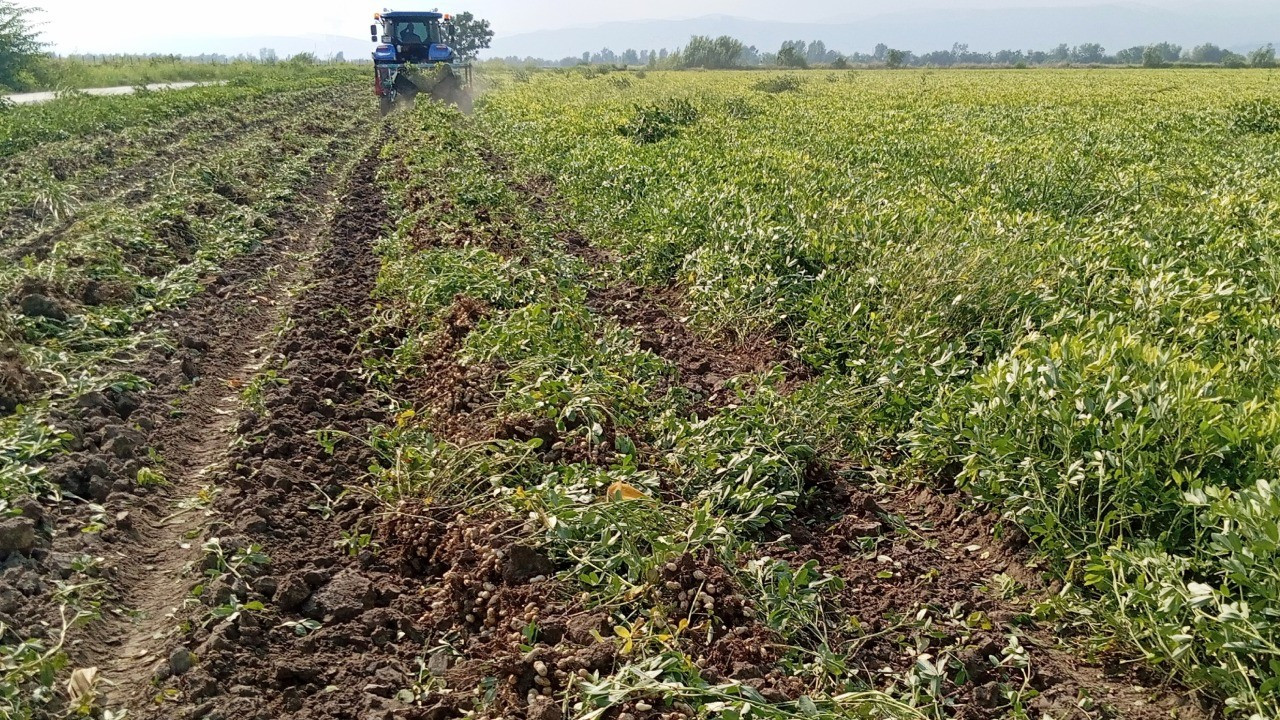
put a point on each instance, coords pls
(42, 97)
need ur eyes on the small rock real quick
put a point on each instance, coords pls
(180, 661)
(439, 663)
(580, 629)
(200, 684)
(198, 344)
(17, 534)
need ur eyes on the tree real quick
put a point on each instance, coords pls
(1207, 53)
(470, 35)
(792, 54)
(1263, 57)
(1152, 57)
(703, 52)
(816, 52)
(20, 46)
(1233, 60)
(1169, 52)
(895, 58)
(939, 58)
(268, 55)
(1088, 53)
(880, 52)
(1130, 56)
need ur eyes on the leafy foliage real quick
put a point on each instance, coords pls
(470, 34)
(1057, 295)
(20, 45)
(659, 121)
(1260, 115)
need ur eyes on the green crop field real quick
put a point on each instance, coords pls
(1055, 292)
(851, 395)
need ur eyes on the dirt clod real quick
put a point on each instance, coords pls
(17, 535)
(42, 306)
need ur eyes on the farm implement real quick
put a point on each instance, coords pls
(415, 56)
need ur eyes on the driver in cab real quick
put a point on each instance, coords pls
(409, 37)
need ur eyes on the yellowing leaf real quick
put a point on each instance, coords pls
(620, 491)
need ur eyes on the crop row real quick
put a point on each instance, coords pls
(1058, 295)
(44, 187)
(27, 126)
(77, 305)
(531, 412)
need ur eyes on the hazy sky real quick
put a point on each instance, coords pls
(123, 25)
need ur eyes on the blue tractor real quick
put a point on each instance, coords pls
(414, 55)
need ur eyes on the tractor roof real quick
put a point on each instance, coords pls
(410, 15)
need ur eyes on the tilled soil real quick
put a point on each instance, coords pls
(121, 542)
(299, 503)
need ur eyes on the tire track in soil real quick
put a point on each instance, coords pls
(940, 539)
(360, 652)
(219, 334)
(156, 580)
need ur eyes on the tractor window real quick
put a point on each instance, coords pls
(417, 33)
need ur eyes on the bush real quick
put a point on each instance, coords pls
(779, 84)
(659, 121)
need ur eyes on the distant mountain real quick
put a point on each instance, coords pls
(1115, 26)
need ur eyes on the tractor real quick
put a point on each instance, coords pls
(414, 55)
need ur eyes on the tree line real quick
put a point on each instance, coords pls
(728, 52)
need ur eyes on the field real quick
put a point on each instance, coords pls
(666, 395)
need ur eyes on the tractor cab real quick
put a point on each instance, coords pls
(414, 56)
(416, 37)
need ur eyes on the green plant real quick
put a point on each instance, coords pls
(659, 121)
(779, 84)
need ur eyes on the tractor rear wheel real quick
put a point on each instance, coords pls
(385, 104)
